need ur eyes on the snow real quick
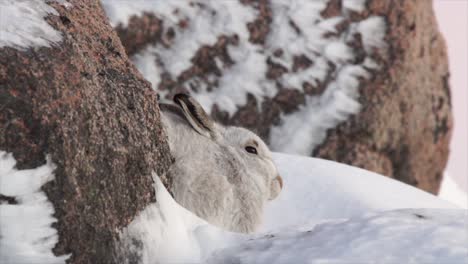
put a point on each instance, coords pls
(327, 213)
(207, 20)
(169, 233)
(452, 192)
(399, 236)
(354, 5)
(148, 67)
(317, 189)
(23, 24)
(246, 76)
(203, 29)
(302, 131)
(373, 32)
(298, 132)
(26, 234)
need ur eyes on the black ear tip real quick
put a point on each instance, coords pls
(181, 97)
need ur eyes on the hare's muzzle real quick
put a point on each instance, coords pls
(276, 186)
(280, 181)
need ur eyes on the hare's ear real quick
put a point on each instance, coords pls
(195, 115)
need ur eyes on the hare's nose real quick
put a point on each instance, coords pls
(280, 181)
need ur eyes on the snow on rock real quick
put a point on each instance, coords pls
(327, 212)
(356, 5)
(294, 70)
(26, 234)
(23, 24)
(297, 31)
(302, 131)
(207, 21)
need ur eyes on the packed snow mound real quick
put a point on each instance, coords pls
(327, 212)
(398, 236)
(452, 192)
(321, 189)
(26, 234)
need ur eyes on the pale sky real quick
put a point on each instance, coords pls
(452, 16)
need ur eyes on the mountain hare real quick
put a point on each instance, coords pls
(223, 174)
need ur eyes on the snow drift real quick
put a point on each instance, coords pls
(327, 212)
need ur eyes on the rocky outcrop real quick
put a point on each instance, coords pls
(360, 82)
(405, 125)
(81, 102)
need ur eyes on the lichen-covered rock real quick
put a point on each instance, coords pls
(77, 98)
(356, 81)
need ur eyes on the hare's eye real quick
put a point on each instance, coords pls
(250, 149)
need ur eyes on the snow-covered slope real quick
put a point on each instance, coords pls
(317, 189)
(399, 236)
(327, 212)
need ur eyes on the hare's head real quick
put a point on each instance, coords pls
(249, 149)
